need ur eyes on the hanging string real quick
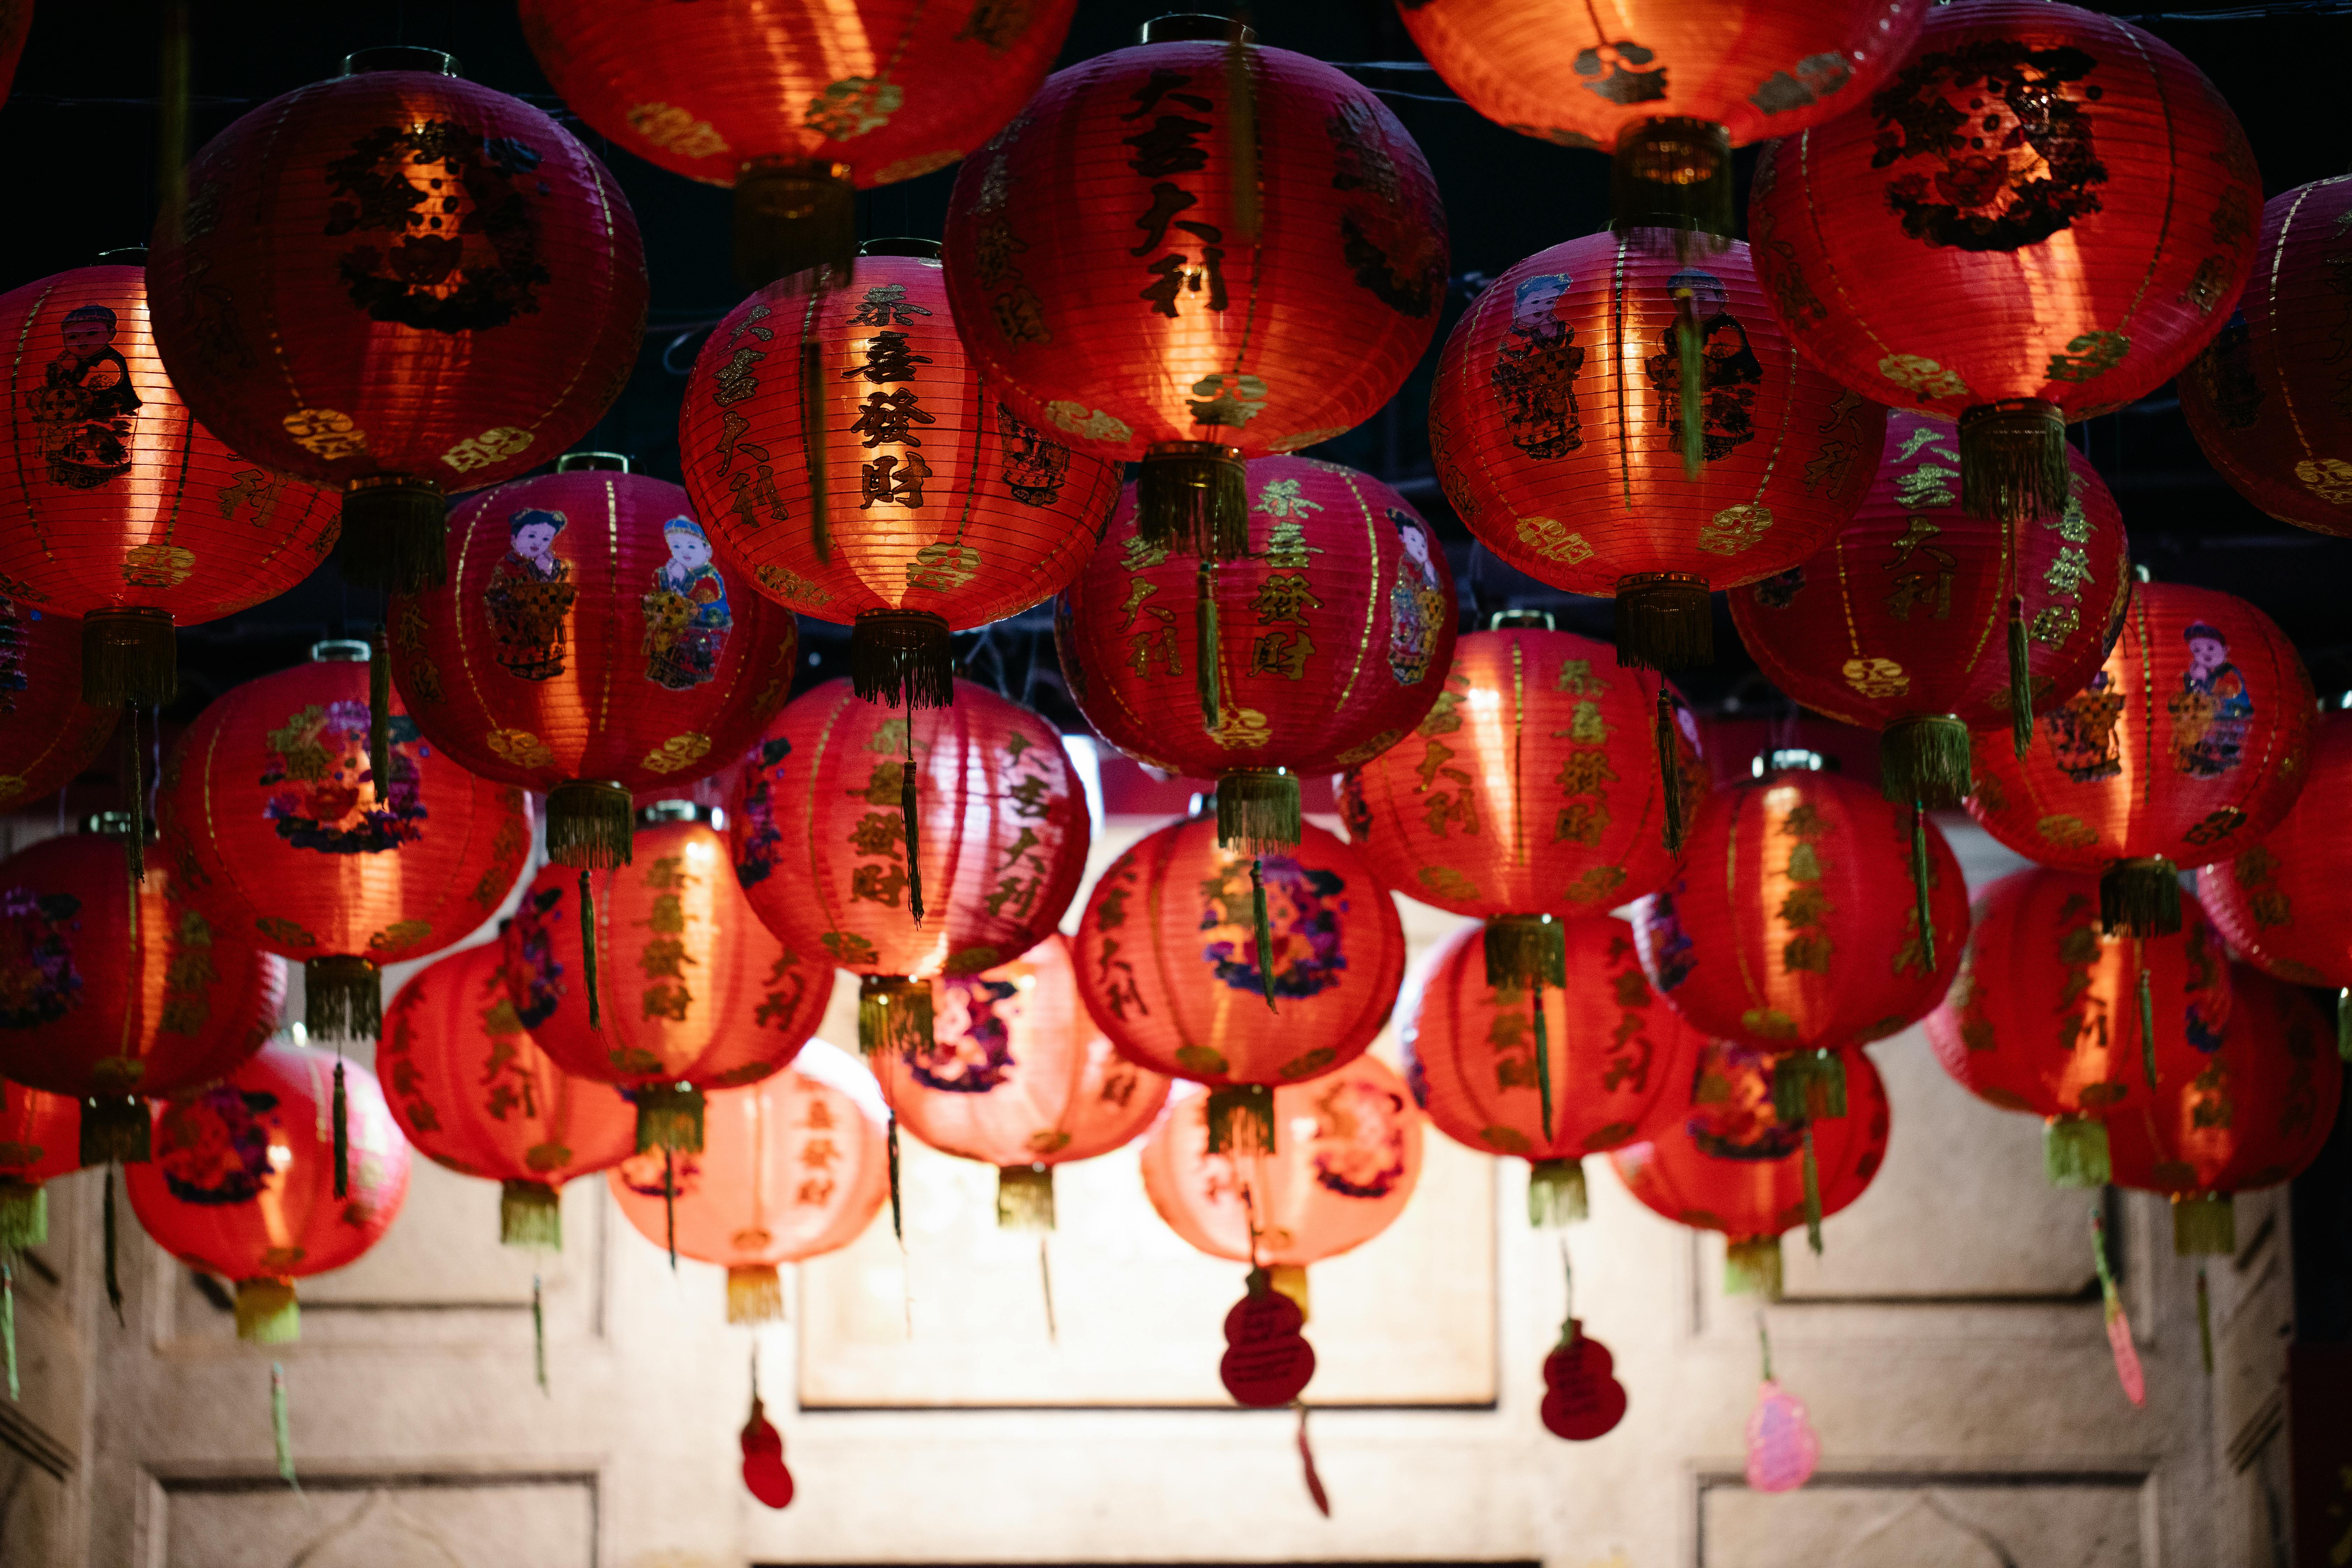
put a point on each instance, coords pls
(670, 1208)
(1764, 1341)
(914, 837)
(2146, 1021)
(538, 1334)
(1691, 350)
(1543, 1048)
(8, 1323)
(1812, 1194)
(134, 844)
(282, 1425)
(1925, 913)
(588, 947)
(1265, 933)
(1670, 775)
(897, 1219)
(114, 1280)
(1321, 1498)
(342, 1129)
(1045, 1279)
(1205, 681)
(2204, 1322)
(2021, 681)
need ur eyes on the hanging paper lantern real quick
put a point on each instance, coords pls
(243, 1182)
(1736, 1165)
(2042, 215)
(1578, 1067)
(682, 990)
(849, 465)
(48, 733)
(2188, 745)
(1582, 1398)
(40, 1137)
(2048, 1017)
(277, 820)
(798, 105)
(790, 1167)
(1532, 788)
(1322, 648)
(1669, 90)
(2285, 903)
(2260, 399)
(1701, 451)
(839, 841)
(121, 509)
(587, 662)
(2248, 1112)
(1018, 1075)
(1202, 964)
(1898, 626)
(110, 989)
(395, 281)
(1196, 252)
(474, 1092)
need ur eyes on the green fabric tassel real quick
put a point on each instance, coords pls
(380, 716)
(2344, 1023)
(113, 1279)
(1812, 1195)
(8, 1325)
(669, 1205)
(342, 1131)
(24, 1216)
(282, 1425)
(1808, 1085)
(1557, 1195)
(588, 948)
(2075, 1152)
(1265, 934)
(906, 809)
(1751, 1266)
(2146, 1027)
(1670, 773)
(2021, 681)
(898, 1215)
(1205, 648)
(1543, 1053)
(1692, 349)
(538, 1335)
(1919, 884)
(2204, 1225)
(2204, 1322)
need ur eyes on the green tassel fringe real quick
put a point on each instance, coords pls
(2140, 897)
(1665, 620)
(531, 1214)
(267, 1312)
(1192, 497)
(669, 1116)
(1523, 949)
(894, 1013)
(1925, 762)
(1241, 1120)
(2021, 681)
(1751, 1266)
(1557, 1195)
(2013, 461)
(23, 1217)
(1206, 652)
(2205, 1225)
(1024, 1197)
(589, 824)
(394, 534)
(1809, 1085)
(2075, 1152)
(1258, 810)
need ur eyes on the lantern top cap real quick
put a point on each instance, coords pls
(663, 811)
(340, 650)
(1197, 28)
(1535, 620)
(573, 462)
(901, 245)
(1786, 758)
(401, 57)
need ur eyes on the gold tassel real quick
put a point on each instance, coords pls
(1205, 651)
(24, 1216)
(2204, 1225)
(394, 534)
(1024, 1197)
(1241, 1118)
(1192, 497)
(1521, 948)
(2075, 1152)
(1925, 762)
(588, 949)
(1557, 1195)
(380, 717)
(531, 1214)
(589, 824)
(129, 659)
(755, 1294)
(1664, 621)
(1751, 1266)
(1670, 773)
(902, 658)
(268, 1314)
(1258, 810)
(671, 1117)
(1264, 934)
(1919, 878)
(792, 215)
(2013, 461)
(1812, 1195)
(894, 1013)
(2021, 681)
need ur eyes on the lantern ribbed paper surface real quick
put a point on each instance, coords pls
(48, 733)
(1611, 420)
(40, 1137)
(2285, 903)
(2187, 746)
(401, 282)
(120, 507)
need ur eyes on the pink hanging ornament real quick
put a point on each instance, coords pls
(1783, 1447)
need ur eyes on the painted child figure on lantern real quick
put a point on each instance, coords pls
(1535, 374)
(89, 404)
(529, 596)
(1415, 603)
(2212, 710)
(687, 618)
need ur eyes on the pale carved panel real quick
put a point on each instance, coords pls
(392, 1521)
(1950, 1522)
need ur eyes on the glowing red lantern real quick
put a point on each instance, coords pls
(1552, 1077)
(1319, 649)
(790, 1168)
(839, 837)
(1668, 91)
(2190, 743)
(2250, 1110)
(1736, 1166)
(116, 989)
(2046, 1015)
(682, 989)
(2285, 903)
(1168, 967)
(473, 1092)
(1611, 421)
(798, 105)
(124, 510)
(588, 662)
(2260, 399)
(1897, 625)
(866, 477)
(392, 281)
(1017, 1075)
(242, 1184)
(48, 733)
(275, 821)
(40, 1138)
(2043, 213)
(1196, 252)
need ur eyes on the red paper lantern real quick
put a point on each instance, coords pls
(1168, 967)
(797, 103)
(275, 821)
(1796, 923)
(395, 281)
(242, 1184)
(1898, 624)
(48, 733)
(838, 838)
(475, 1093)
(1319, 649)
(790, 1168)
(2249, 1111)
(2285, 903)
(2044, 1016)
(589, 662)
(1669, 90)
(40, 1137)
(2260, 399)
(115, 989)
(1579, 1069)
(1196, 252)
(1018, 1075)
(2044, 214)
(1588, 481)
(1735, 1164)
(122, 509)
(857, 471)
(684, 990)
(2189, 744)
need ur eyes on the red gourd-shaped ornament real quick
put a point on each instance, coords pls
(1611, 421)
(1267, 1360)
(798, 104)
(2193, 741)
(1582, 1398)
(396, 281)
(1196, 252)
(851, 466)
(586, 647)
(764, 1475)
(2042, 215)
(48, 733)
(40, 1137)
(907, 846)
(1923, 623)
